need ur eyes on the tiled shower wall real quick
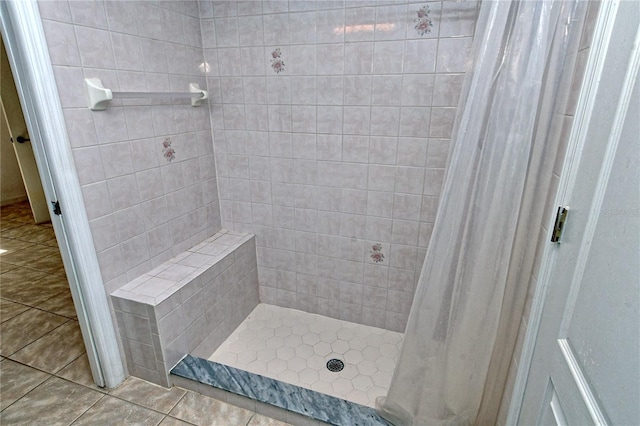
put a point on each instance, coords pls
(331, 124)
(146, 168)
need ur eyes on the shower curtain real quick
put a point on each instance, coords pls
(474, 279)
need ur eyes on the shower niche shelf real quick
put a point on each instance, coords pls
(99, 96)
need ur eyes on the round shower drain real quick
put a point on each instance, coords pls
(335, 365)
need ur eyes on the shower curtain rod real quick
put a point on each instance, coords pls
(99, 96)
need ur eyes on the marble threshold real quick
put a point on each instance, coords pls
(306, 402)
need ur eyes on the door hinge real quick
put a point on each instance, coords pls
(56, 208)
(558, 227)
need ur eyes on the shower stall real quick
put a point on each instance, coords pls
(277, 233)
(332, 124)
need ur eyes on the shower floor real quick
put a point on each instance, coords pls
(294, 347)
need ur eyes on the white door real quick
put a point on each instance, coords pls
(12, 113)
(585, 363)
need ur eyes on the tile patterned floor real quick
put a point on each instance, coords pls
(44, 373)
(294, 347)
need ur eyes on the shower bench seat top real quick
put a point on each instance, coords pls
(197, 265)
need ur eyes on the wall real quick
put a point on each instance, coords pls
(563, 121)
(331, 123)
(146, 167)
(12, 189)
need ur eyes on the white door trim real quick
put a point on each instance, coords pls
(27, 51)
(594, 72)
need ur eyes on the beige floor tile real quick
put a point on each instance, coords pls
(51, 264)
(25, 328)
(79, 372)
(7, 223)
(30, 232)
(31, 287)
(9, 309)
(170, 421)
(24, 257)
(60, 304)
(114, 411)
(149, 395)
(4, 267)
(54, 402)
(260, 420)
(11, 245)
(201, 410)
(55, 350)
(16, 380)
(17, 231)
(38, 234)
(19, 276)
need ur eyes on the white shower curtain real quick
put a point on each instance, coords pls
(490, 203)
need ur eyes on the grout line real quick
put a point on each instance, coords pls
(88, 408)
(31, 390)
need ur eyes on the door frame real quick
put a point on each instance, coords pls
(21, 27)
(595, 72)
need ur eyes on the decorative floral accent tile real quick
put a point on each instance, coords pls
(423, 23)
(168, 152)
(376, 253)
(276, 61)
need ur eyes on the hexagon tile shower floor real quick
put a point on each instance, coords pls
(295, 346)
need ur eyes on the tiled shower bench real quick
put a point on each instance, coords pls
(188, 305)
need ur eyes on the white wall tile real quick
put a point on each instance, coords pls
(359, 24)
(303, 90)
(253, 63)
(330, 59)
(276, 29)
(420, 56)
(95, 48)
(226, 31)
(330, 26)
(412, 151)
(73, 80)
(453, 54)
(128, 52)
(357, 120)
(358, 58)
(387, 90)
(385, 121)
(391, 22)
(414, 121)
(255, 90)
(56, 11)
(61, 41)
(302, 27)
(357, 90)
(330, 90)
(387, 57)
(251, 30)
(88, 165)
(116, 159)
(229, 61)
(355, 148)
(417, 89)
(303, 119)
